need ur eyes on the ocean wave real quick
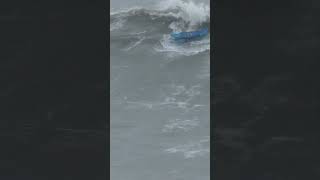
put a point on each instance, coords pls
(162, 44)
(183, 14)
(137, 26)
(189, 11)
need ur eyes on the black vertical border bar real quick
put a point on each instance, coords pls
(212, 50)
(107, 29)
(48, 83)
(286, 65)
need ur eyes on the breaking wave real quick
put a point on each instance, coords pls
(157, 23)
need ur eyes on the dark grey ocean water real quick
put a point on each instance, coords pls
(159, 91)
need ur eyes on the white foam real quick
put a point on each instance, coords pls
(180, 124)
(185, 49)
(135, 44)
(192, 149)
(117, 24)
(191, 12)
(138, 33)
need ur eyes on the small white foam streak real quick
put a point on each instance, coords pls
(135, 44)
(124, 11)
(185, 106)
(138, 33)
(180, 124)
(182, 90)
(187, 95)
(191, 150)
(169, 103)
(179, 98)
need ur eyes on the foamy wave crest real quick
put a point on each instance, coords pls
(194, 14)
(189, 14)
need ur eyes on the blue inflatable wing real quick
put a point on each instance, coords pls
(190, 35)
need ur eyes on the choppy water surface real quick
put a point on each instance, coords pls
(159, 91)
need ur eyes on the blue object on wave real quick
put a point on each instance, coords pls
(190, 35)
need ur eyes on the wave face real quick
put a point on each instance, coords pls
(132, 27)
